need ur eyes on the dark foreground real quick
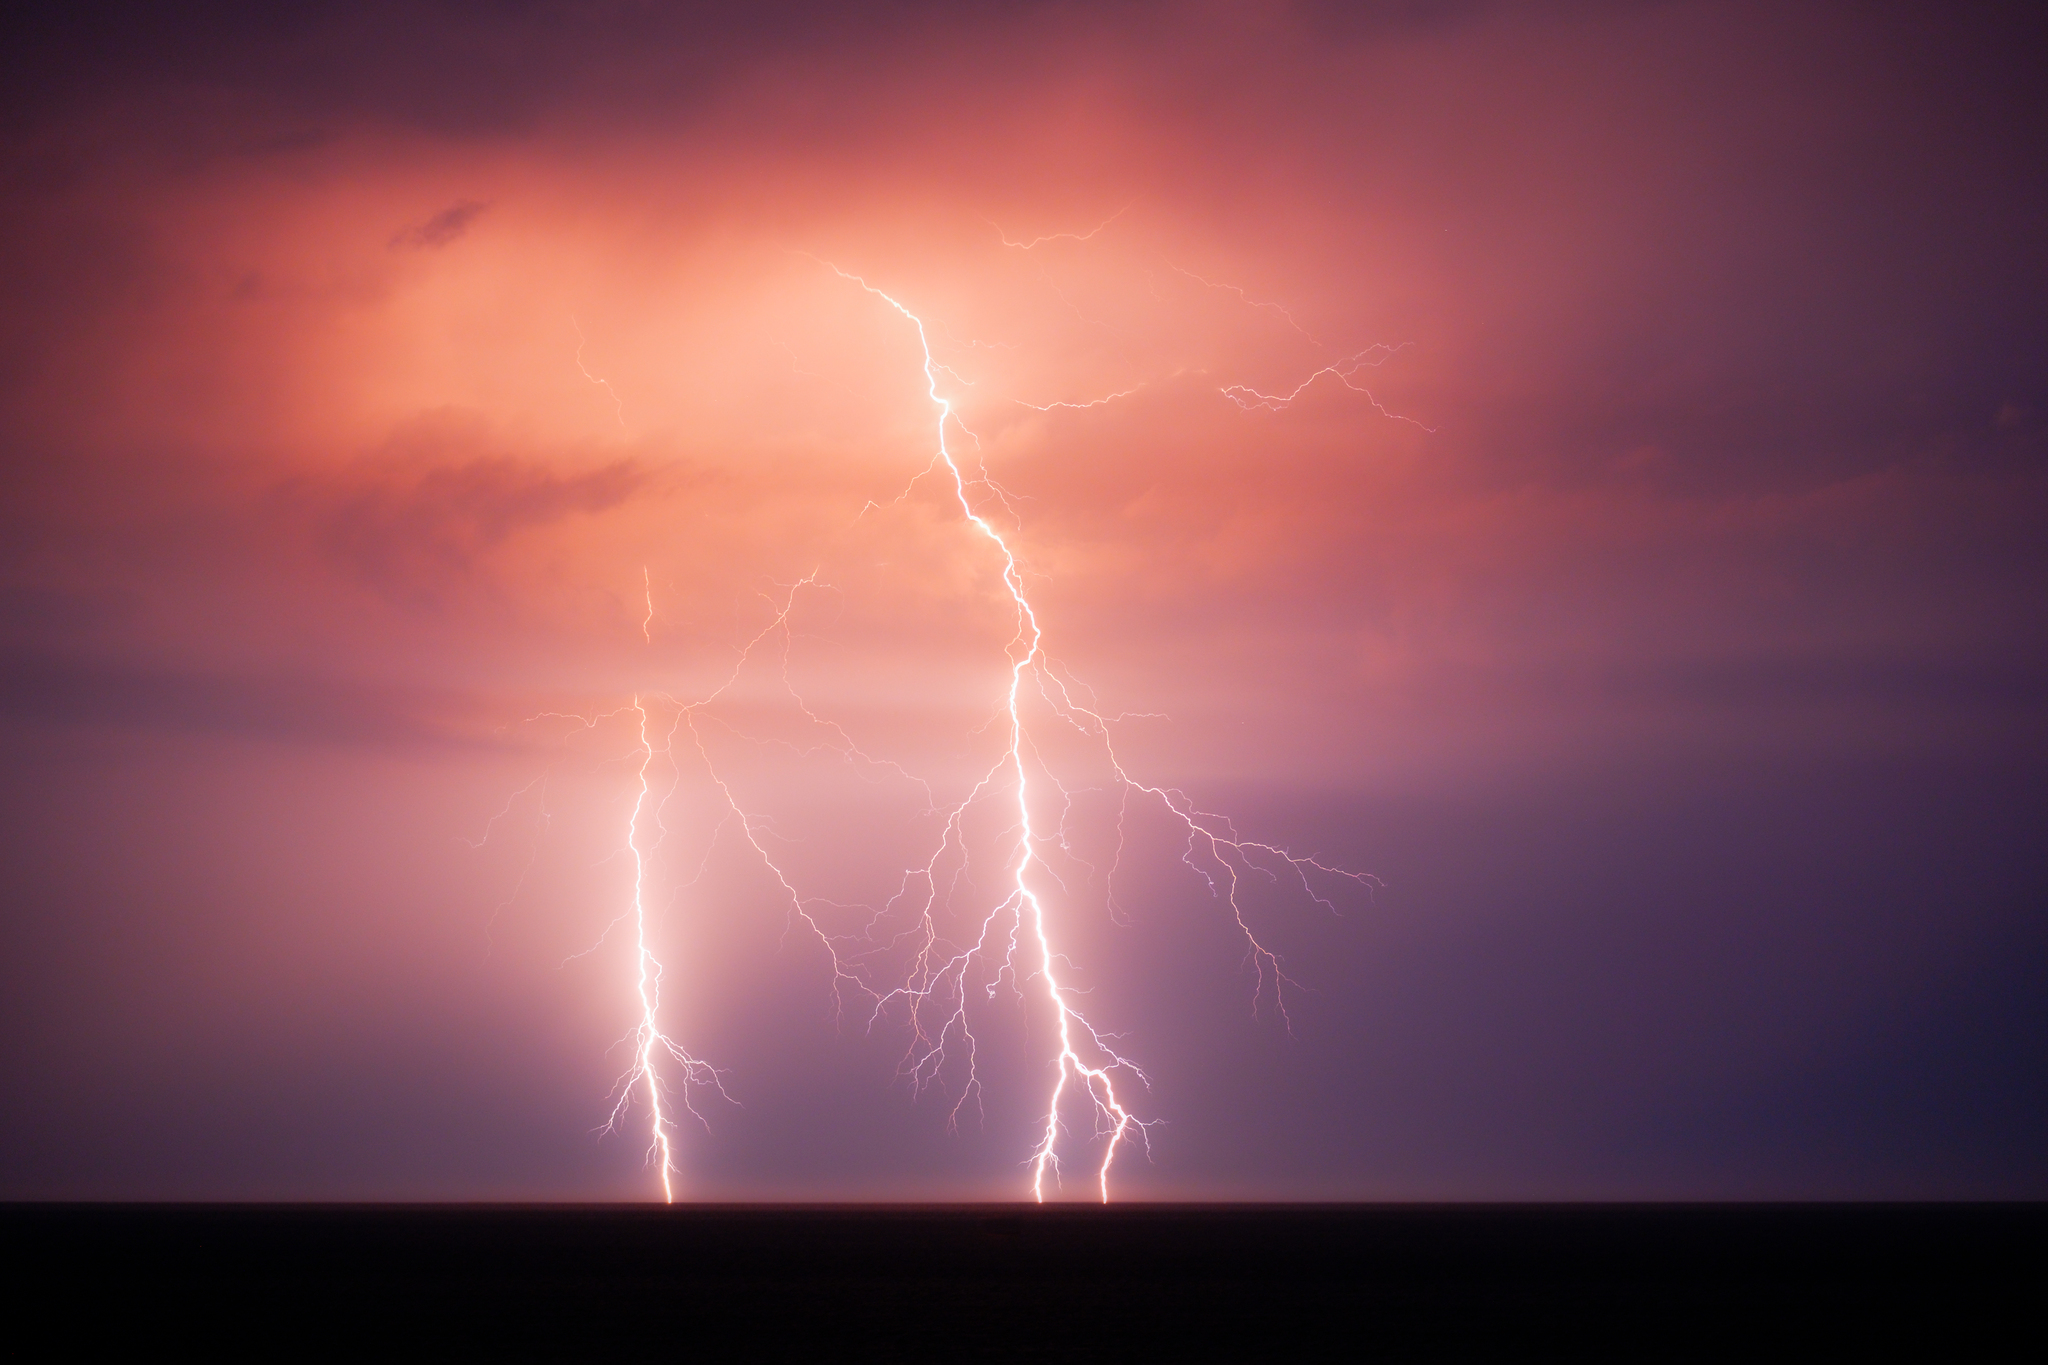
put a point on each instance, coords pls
(1148, 1282)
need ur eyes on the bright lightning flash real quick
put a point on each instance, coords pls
(938, 984)
(1025, 659)
(650, 1044)
(1015, 937)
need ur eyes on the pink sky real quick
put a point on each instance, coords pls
(360, 397)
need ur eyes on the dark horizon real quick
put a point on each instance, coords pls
(1006, 1282)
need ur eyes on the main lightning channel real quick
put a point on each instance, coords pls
(649, 1040)
(1024, 650)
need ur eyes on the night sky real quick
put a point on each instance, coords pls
(1659, 611)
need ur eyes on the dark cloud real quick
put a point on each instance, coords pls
(412, 533)
(33, 614)
(38, 690)
(444, 227)
(452, 66)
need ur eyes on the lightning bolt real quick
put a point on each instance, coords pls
(1058, 236)
(1094, 1078)
(1085, 1058)
(1091, 403)
(1014, 940)
(653, 1048)
(650, 1043)
(1248, 299)
(1251, 399)
(618, 404)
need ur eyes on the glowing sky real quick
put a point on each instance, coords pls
(1666, 628)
